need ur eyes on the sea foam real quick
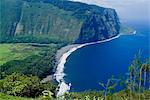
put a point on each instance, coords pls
(63, 87)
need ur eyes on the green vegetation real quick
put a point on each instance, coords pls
(126, 30)
(22, 68)
(22, 85)
(37, 22)
(9, 15)
(30, 86)
(109, 86)
(122, 95)
(10, 52)
(38, 60)
(9, 97)
(83, 95)
(55, 21)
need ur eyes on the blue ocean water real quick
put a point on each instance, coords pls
(88, 66)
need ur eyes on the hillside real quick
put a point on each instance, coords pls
(29, 59)
(56, 21)
(32, 31)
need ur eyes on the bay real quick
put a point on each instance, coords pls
(88, 66)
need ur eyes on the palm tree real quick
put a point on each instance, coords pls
(136, 74)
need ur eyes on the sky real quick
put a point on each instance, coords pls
(128, 10)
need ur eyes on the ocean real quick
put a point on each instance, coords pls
(91, 64)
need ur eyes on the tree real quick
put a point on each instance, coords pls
(109, 86)
(146, 69)
(138, 73)
(21, 85)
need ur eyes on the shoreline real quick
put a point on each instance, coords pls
(62, 56)
(65, 49)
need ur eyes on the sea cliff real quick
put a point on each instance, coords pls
(56, 21)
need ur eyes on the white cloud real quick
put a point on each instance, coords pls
(127, 9)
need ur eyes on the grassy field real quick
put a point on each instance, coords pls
(10, 52)
(27, 58)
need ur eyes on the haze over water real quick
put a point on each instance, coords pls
(88, 66)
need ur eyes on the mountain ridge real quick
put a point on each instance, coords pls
(56, 21)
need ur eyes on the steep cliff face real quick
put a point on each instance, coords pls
(99, 26)
(9, 16)
(56, 21)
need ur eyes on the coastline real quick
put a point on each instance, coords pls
(59, 54)
(62, 56)
(67, 48)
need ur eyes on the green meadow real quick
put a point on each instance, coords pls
(10, 52)
(27, 58)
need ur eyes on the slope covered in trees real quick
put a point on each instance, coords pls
(56, 21)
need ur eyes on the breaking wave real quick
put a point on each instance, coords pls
(63, 87)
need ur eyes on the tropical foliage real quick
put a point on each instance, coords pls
(22, 85)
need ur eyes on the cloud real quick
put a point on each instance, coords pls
(127, 9)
